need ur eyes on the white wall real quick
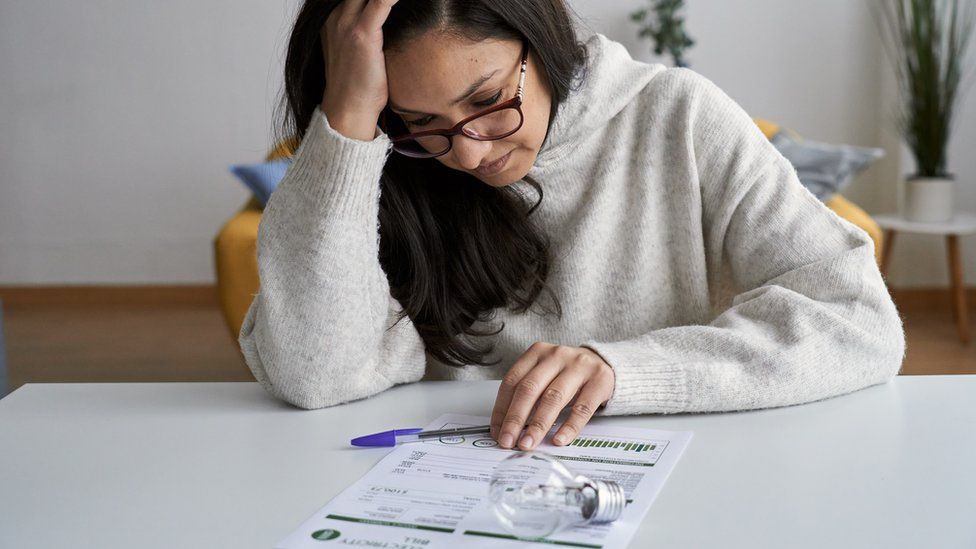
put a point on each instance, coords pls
(118, 121)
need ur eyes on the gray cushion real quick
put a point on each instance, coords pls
(824, 168)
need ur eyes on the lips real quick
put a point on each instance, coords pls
(495, 166)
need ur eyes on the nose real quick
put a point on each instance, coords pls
(470, 153)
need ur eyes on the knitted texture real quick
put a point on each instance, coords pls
(685, 252)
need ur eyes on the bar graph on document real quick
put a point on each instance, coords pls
(625, 445)
(615, 451)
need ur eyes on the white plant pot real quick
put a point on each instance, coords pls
(930, 199)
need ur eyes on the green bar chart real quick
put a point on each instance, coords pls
(625, 445)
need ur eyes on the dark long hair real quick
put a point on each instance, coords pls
(453, 248)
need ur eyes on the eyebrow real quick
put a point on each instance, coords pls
(467, 93)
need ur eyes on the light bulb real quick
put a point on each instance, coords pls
(534, 495)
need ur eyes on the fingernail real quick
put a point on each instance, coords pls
(506, 441)
(559, 439)
(526, 442)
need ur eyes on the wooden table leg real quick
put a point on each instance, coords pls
(889, 240)
(958, 289)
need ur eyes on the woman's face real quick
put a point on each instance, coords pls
(430, 72)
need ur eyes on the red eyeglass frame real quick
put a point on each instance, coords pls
(515, 102)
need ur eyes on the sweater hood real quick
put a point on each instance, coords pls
(610, 81)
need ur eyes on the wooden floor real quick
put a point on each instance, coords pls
(174, 338)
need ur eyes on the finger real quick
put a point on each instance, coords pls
(590, 397)
(559, 393)
(526, 393)
(350, 9)
(375, 14)
(338, 20)
(506, 389)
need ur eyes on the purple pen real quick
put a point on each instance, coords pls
(397, 436)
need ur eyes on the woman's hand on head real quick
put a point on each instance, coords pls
(355, 67)
(543, 381)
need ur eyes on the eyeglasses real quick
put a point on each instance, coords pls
(496, 122)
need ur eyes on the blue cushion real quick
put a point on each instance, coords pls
(262, 178)
(824, 168)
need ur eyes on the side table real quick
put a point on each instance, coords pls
(962, 223)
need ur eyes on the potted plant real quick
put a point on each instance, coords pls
(926, 41)
(667, 30)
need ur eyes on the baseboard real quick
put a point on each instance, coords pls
(29, 297)
(929, 298)
(19, 297)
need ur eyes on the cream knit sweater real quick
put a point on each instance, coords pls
(685, 252)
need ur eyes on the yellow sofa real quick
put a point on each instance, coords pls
(235, 253)
(235, 246)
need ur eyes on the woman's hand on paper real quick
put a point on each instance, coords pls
(543, 381)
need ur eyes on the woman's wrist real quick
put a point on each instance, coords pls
(357, 126)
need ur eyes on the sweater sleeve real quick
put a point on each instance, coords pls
(321, 330)
(810, 318)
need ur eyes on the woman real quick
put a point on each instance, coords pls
(675, 264)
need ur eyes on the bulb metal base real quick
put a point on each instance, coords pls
(610, 501)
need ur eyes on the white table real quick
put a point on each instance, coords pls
(185, 465)
(963, 223)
